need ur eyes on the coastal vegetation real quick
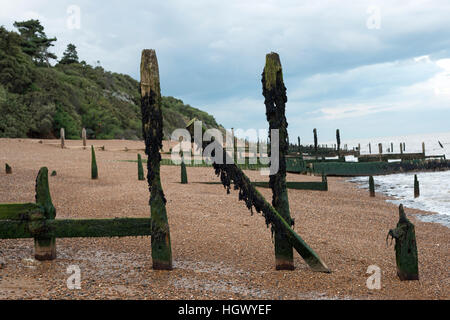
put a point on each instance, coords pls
(37, 98)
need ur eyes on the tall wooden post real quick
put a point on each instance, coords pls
(423, 148)
(401, 148)
(380, 148)
(152, 126)
(83, 136)
(62, 135)
(370, 148)
(44, 246)
(392, 147)
(315, 140)
(274, 93)
(338, 140)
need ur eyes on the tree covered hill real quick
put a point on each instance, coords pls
(37, 99)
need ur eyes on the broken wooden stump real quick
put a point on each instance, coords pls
(152, 125)
(416, 187)
(62, 136)
(405, 248)
(371, 186)
(8, 169)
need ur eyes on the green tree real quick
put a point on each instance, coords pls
(70, 55)
(15, 66)
(35, 42)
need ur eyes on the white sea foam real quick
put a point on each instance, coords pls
(434, 186)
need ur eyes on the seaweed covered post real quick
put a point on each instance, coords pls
(405, 248)
(371, 186)
(416, 187)
(8, 169)
(94, 170)
(140, 168)
(152, 127)
(44, 244)
(338, 140)
(274, 93)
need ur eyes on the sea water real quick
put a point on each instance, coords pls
(434, 186)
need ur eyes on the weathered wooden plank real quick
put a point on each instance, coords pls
(21, 211)
(83, 228)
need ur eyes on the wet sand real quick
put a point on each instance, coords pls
(220, 250)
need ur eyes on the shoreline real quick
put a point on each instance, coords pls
(220, 250)
(392, 199)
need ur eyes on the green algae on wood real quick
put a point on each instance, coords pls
(44, 243)
(76, 228)
(152, 126)
(274, 93)
(140, 168)
(94, 170)
(21, 211)
(405, 248)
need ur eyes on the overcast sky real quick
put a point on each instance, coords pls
(371, 68)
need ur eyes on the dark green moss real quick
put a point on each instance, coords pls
(94, 170)
(92, 228)
(21, 211)
(8, 169)
(140, 168)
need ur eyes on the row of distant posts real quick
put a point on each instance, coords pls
(402, 148)
(63, 137)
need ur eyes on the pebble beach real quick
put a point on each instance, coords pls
(220, 250)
